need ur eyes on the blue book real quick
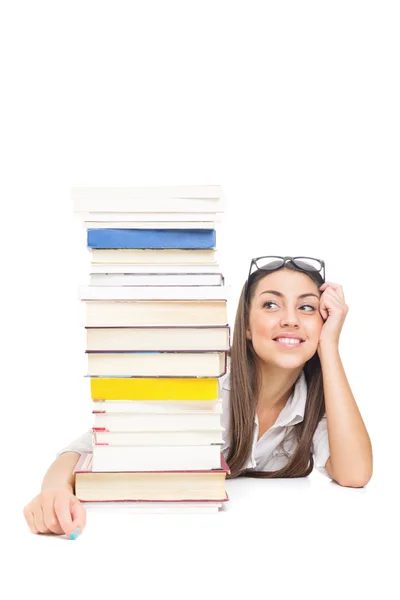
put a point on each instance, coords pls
(187, 239)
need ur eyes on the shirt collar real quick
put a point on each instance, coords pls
(293, 412)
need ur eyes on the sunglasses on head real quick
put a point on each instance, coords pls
(273, 263)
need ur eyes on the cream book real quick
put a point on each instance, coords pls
(153, 256)
(156, 458)
(156, 364)
(162, 292)
(203, 437)
(123, 422)
(158, 338)
(132, 224)
(132, 313)
(147, 269)
(170, 199)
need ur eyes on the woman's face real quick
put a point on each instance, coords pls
(285, 303)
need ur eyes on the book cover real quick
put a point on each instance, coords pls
(201, 198)
(154, 388)
(142, 256)
(84, 465)
(164, 364)
(163, 292)
(158, 338)
(151, 238)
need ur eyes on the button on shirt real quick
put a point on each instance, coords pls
(267, 453)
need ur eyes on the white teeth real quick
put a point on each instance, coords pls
(288, 340)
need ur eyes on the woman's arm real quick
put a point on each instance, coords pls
(350, 461)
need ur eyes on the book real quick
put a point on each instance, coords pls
(133, 224)
(158, 279)
(155, 458)
(154, 388)
(165, 486)
(158, 338)
(158, 406)
(195, 420)
(162, 364)
(188, 437)
(168, 312)
(152, 217)
(201, 198)
(145, 256)
(148, 269)
(151, 238)
(166, 507)
(132, 292)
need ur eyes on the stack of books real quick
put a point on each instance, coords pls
(157, 342)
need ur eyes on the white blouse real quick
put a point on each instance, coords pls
(266, 455)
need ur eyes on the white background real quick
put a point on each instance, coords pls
(293, 107)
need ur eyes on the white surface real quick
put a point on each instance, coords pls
(304, 538)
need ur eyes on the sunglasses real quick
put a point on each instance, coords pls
(273, 263)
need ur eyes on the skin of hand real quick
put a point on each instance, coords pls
(56, 511)
(333, 309)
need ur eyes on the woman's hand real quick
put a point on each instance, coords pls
(56, 511)
(333, 309)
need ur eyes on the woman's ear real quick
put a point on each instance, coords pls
(248, 334)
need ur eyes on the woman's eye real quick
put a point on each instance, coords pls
(265, 304)
(268, 303)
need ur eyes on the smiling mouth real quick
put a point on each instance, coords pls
(292, 342)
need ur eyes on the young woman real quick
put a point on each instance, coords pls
(287, 404)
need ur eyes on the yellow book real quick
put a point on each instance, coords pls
(141, 388)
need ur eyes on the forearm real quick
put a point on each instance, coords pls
(349, 442)
(60, 473)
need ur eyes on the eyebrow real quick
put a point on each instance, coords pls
(282, 295)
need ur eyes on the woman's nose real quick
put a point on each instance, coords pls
(290, 319)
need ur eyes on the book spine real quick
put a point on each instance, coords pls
(191, 239)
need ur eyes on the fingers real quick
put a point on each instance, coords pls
(63, 512)
(39, 519)
(50, 517)
(335, 287)
(28, 514)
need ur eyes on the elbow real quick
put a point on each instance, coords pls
(354, 482)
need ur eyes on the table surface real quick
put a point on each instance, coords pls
(307, 537)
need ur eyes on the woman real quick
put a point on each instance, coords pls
(287, 402)
(285, 368)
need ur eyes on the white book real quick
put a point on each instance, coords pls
(156, 364)
(152, 216)
(155, 268)
(108, 339)
(150, 224)
(153, 256)
(110, 292)
(131, 313)
(161, 407)
(195, 421)
(202, 198)
(126, 507)
(158, 438)
(159, 279)
(155, 458)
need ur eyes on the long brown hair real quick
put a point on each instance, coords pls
(245, 383)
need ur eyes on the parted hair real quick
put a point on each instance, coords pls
(245, 381)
